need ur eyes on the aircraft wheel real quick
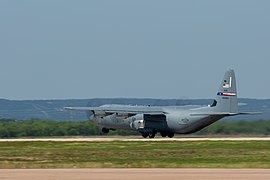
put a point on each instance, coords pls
(144, 135)
(170, 135)
(163, 134)
(152, 135)
(105, 130)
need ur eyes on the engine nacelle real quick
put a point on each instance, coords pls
(138, 124)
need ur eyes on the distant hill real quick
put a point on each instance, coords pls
(53, 109)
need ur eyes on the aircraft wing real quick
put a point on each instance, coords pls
(123, 109)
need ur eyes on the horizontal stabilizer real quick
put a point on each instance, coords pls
(249, 113)
(225, 114)
(214, 114)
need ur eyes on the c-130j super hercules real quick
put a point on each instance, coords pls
(149, 120)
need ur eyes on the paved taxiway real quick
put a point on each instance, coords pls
(139, 139)
(134, 174)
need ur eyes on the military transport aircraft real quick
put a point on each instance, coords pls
(149, 120)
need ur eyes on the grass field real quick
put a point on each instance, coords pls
(119, 154)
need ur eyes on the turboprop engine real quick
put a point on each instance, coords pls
(91, 115)
(138, 124)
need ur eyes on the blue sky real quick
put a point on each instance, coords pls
(68, 49)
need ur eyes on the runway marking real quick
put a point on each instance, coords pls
(136, 139)
(134, 174)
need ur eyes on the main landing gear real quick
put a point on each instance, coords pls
(165, 134)
(153, 134)
(150, 135)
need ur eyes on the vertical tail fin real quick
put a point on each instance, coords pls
(226, 99)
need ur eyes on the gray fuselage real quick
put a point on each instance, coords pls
(175, 120)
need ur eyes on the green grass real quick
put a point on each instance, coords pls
(118, 154)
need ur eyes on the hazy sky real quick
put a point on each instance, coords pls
(66, 49)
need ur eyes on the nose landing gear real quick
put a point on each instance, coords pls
(105, 130)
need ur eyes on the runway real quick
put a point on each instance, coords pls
(134, 174)
(138, 139)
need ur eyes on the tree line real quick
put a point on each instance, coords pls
(10, 128)
(235, 127)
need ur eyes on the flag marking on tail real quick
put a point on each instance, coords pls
(226, 94)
